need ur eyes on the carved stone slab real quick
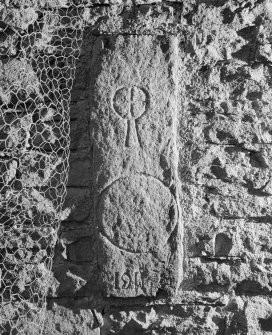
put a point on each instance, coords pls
(133, 109)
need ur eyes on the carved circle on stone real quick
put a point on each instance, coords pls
(137, 214)
(130, 103)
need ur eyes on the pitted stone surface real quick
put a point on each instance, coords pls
(137, 217)
(137, 214)
(170, 170)
(135, 166)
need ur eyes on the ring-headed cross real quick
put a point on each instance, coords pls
(131, 103)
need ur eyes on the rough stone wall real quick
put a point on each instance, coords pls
(170, 177)
(39, 42)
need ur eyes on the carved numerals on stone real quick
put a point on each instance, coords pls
(124, 281)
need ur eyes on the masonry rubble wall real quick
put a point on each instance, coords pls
(170, 171)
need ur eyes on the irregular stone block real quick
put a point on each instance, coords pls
(136, 190)
(164, 17)
(64, 320)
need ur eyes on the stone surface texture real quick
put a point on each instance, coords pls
(170, 181)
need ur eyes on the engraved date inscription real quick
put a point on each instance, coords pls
(128, 281)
